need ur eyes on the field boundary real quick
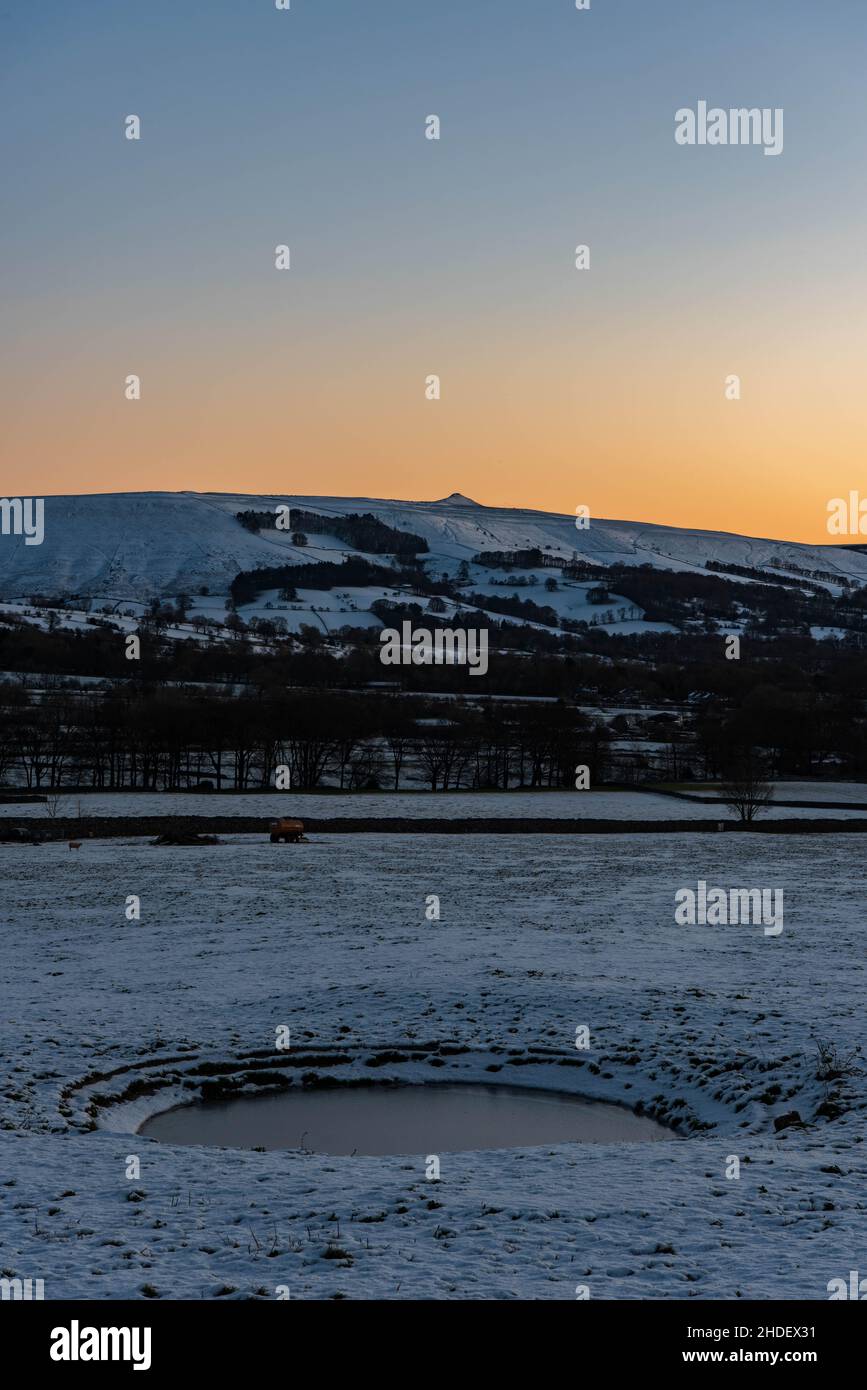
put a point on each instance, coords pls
(114, 827)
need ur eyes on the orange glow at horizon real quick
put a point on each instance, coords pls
(645, 442)
(634, 424)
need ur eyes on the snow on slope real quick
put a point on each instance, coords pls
(135, 545)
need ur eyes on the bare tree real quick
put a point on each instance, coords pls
(746, 791)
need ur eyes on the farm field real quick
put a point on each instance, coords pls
(598, 805)
(712, 1029)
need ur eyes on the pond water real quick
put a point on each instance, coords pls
(378, 1120)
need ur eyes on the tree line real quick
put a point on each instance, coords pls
(177, 739)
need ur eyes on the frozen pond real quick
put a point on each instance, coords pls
(378, 1120)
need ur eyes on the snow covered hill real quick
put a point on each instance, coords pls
(132, 546)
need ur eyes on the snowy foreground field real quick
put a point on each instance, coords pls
(107, 1020)
(554, 805)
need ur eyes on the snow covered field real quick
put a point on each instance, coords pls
(565, 805)
(822, 791)
(331, 610)
(106, 1020)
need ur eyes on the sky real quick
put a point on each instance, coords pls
(410, 257)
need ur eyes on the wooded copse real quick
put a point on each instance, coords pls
(361, 530)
